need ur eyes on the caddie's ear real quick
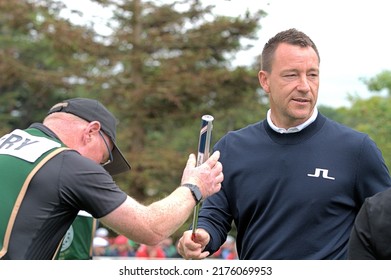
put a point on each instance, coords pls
(264, 80)
(93, 127)
(90, 131)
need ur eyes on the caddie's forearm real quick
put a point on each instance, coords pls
(170, 213)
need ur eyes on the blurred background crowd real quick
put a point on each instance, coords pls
(109, 245)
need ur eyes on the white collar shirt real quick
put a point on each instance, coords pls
(291, 129)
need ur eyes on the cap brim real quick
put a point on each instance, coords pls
(119, 164)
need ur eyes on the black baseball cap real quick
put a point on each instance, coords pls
(92, 110)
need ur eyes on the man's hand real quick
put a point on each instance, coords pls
(208, 176)
(193, 249)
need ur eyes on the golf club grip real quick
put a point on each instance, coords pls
(204, 139)
(203, 155)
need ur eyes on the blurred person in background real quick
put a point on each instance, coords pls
(121, 247)
(150, 252)
(99, 247)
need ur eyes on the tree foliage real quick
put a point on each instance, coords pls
(380, 82)
(41, 59)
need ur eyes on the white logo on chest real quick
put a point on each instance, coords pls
(320, 172)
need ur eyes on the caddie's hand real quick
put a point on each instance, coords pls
(193, 249)
(208, 176)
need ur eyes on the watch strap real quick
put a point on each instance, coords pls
(195, 191)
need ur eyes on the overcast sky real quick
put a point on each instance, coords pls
(353, 37)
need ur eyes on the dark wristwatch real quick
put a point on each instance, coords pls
(195, 191)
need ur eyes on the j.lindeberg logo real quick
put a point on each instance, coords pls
(320, 172)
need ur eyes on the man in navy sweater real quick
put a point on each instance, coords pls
(294, 182)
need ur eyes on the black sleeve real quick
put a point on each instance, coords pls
(87, 186)
(360, 243)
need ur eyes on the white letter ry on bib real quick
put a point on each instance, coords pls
(23, 145)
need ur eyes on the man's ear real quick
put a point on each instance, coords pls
(264, 81)
(91, 130)
(94, 126)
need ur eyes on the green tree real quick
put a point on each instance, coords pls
(380, 82)
(42, 59)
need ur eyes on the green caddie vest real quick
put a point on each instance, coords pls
(77, 242)
(22, 154)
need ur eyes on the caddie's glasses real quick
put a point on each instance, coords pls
(108, 149)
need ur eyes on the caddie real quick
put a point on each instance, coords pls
(52, 170)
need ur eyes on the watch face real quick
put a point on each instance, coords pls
(68, 238)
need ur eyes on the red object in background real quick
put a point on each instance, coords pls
(145, 251)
